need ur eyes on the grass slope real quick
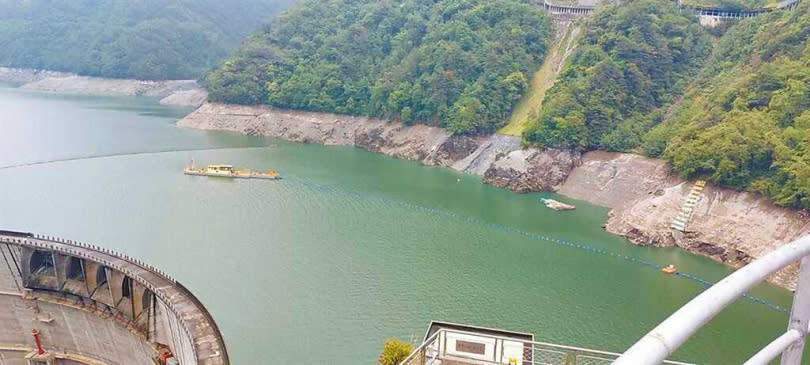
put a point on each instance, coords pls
(528, 108)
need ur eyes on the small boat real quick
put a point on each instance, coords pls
(553, 204)
(229, 171)
(669, 269)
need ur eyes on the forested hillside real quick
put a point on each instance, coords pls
(746, 123)
(743, 121)
(461, 64)
(630, 62)
(144, 39)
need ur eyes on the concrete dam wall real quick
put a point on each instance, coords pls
(89, 305)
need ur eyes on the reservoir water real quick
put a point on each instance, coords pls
(351, 247)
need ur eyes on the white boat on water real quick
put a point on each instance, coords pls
(556, 205)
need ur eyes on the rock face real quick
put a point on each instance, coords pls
(729, 226)
(430, 145)
(453, 149)
(110, 87)
(644, 196)
(489, 149)
(176, 92)
(19, 76)
(191, 97)
(531, 170)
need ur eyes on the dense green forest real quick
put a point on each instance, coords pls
(742, 122)
(630, 61)
(746, 123)
(144, 39)
(461, 64)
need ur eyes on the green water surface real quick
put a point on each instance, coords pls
(350, 248)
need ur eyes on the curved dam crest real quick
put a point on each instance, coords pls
(85, 287)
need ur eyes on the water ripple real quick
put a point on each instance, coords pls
(533, 236)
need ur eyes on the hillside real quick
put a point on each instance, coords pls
(638, 83)
(630, 61)
(460, 64)
(746, 123)
(145, 39)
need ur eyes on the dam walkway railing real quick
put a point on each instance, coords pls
(733, 13)
(664, 339)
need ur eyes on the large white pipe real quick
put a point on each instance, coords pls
(664, 339)
(775, 348)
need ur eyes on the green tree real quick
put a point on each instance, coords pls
(394, 351)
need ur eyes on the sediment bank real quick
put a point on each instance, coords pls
(643, 194)
(172, 92)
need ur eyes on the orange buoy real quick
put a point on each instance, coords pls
(669, 269)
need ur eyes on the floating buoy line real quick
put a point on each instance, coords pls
(122, 154)
(534, 236)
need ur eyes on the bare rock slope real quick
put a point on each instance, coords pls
(729, 226)
(19, 76)
(172, 92)
(420, 142)
(531, 170)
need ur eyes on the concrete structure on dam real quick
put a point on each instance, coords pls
(69, 303)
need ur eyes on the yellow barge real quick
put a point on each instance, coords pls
(229, 171)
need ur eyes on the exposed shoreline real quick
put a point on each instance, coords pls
(644, 196)
(171, 92)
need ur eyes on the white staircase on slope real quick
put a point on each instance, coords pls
(679, 223)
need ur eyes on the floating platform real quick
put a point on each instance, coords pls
(230, 172)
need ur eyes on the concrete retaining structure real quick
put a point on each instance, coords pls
(579, 10)
(95, 306)
(729, 13)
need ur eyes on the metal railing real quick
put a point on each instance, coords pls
(497, 350)
(731, 13)
(568, 9)
(659, 343)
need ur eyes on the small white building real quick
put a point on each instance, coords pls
(454, 343)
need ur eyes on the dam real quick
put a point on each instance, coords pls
(70, 303)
